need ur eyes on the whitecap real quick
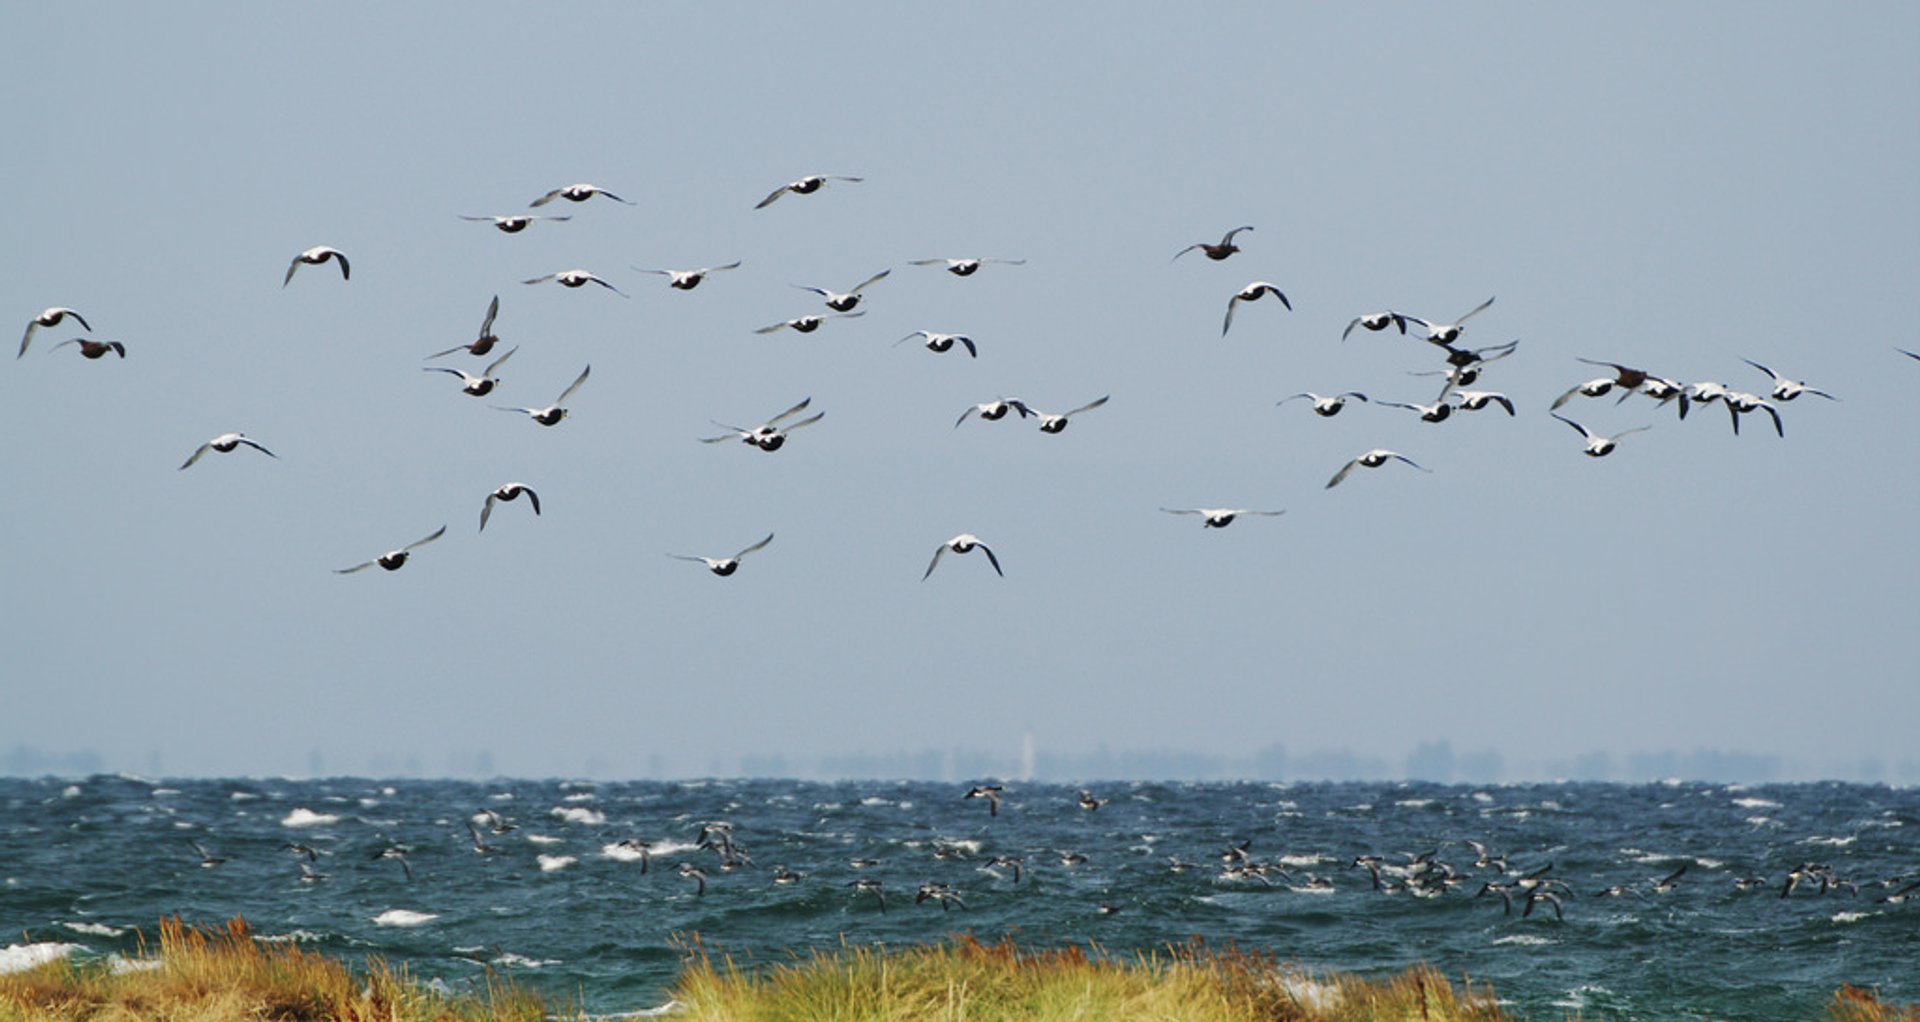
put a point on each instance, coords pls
(509, 960)
(544, 839)
(293, 937)
(1414, 803)
(404, 917)
(120, 966)
(164, 792)
(622, 853)
(1303, 860)
(1832, 842)
(21, 957)
(1706, 863)
(242, 796)
(1850, 917)
(875, 800)
(304, 817)
(70, 791)
(584, 796)
(1761, 821)
(1756, 803)
(550, 863)
(579, 814)
(1525, 939)
(1482, 797)
(96, 929)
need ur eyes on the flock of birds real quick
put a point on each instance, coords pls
(1460, 368)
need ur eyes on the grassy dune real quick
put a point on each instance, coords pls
(225, 975)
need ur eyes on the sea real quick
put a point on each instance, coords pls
(589, 891)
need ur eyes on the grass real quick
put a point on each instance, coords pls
(1854, 1004)
(225, 975)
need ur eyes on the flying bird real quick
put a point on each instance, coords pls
(1326, 407)
(225, 443)
(1372, 459)
(486, 340)
(1050, 423)
(941, 343)
(576, 193)
(805, 186)
(1739, 403)
(964, 543)
(1446, 333)
(724, 566)
(844, 301)
(1217, 517)
(575, 278)
(990, 792)
(511, 491)
(687, 280)
(1225, 248)
(478, 386)
(512, 223)
(994, 410)
(1439, 411)
(1475, 400)
(94, 349)
(1252, 292)
(807, 324)
(49, 317)
(964, 267)
(1376, 321)
(1598, 387)
(1600, 446)
(1785, 389)
(314, 257)
(391, 561)
(770, 435)
(552, 414)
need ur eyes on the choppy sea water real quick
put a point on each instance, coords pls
(562, 905)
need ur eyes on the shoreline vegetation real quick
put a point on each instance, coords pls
(225, 974)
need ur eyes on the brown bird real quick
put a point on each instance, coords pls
(95, 349)
(1215, 252)
(487, 339)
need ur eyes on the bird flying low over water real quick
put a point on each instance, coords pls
(391, 561)
(552, 414)
(1376, 321)
(687, 280)
(844, 301)
(770, 435)
(1326, 407)
(486, 340)
(807, 324)
(1225, 248)
(576, 193)
(1372, 459)
(964, 543)
(1446, 333)
(575, 278)
(805, 186)
(49, 317)
(513, 223)
(1217, 517)
(990, 792)
(724, 566)
(94, 349)
(994, 410)
(225, 443)
(1050, 423)
(939, 343)
(1252, 292)
(478, 386)
(964, 267)
(510, 491)
(1599, 446)
(314, 257)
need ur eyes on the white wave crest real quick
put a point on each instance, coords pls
(21, 957)
(579, 814)
(304, 817)
(96, 929)
(551, 863)
(404, 917)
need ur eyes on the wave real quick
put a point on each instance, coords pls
(304, 817)
(404, 917)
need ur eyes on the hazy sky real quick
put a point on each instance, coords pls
(1677, 187)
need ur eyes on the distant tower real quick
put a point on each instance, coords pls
(1026, 757)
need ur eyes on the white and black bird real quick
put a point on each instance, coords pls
(1600, 446)
(51, 316)
(941, 343)
(770, 435)
(1740, 403)
(485, 342)
(1327, 406)
(1217, 517)
(1376, 321)
(805, 186)
(687, 280)
(724, 566)
(553, 413)
(1785, 389)
(991, 792)
(1439, 411)
(393, 559)
(510, 491)
(225, 443)
(576, 193)
(1446, 333)
(513, 223)
(807, 324)
(1597, 387)
(1251, 293)
(961, 544)
(478, 386)
(1050, 423)
(844, 301)
(964, 267)
(1475, 400)
(1215, 252)
(1372, 459)
(994, 410)
(575, 278)
(314, 257)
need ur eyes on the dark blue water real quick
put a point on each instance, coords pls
(560, 906)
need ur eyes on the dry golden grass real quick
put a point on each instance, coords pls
(224, 975)
(1854, 1004)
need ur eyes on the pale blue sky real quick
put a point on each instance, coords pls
(1672, 186)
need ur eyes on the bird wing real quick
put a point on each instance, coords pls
(449, 351)
(196, 456)
(575, 385)
(771, 329)
(496, 363)
(544, 199)
(1476, 311)
(971, 410)
(292, 266)
(348, 571)
(768, 201)
(532, 498)
(995, 561)
(1637, 429)
(1232, 304)
(1409, 461)
(863, 285)
(1182, 510)
(754, 547)
(810, 420)
(1564, 398)
(1184, 251)
(541, 280)
(937, 554)
(972, 352)
(1582, 430)
(346, 272)
(1340, 476)
(251, 443)
(1228, 239)
(493, 309)
(1089, 406)
(789, 413)
(486, 510)
(424, 540)
(1350, 326)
